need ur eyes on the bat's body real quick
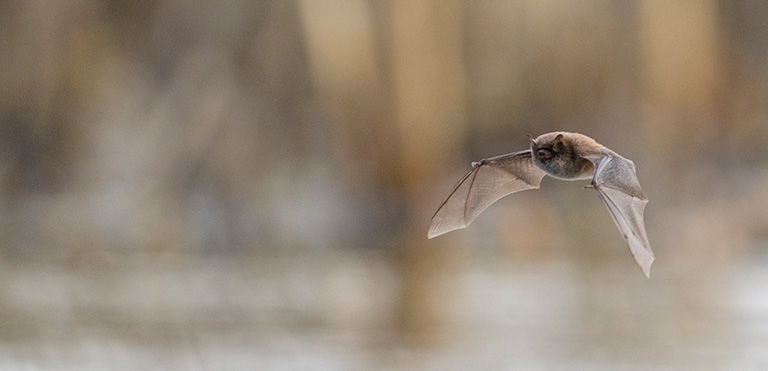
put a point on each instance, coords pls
(567, 156)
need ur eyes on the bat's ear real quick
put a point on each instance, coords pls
(530, 138)
(558, 145)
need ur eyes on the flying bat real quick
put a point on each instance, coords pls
(562, 155)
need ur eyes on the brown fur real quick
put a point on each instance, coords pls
(569, 154)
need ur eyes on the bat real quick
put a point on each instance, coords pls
(562, 155)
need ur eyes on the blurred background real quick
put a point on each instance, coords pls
(198, 185)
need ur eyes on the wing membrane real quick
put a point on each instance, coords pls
(488, 181)
(617, 187)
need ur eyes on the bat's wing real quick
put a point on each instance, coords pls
(616, 184)
(488, 181)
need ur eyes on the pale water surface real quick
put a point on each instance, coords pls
(312, 311)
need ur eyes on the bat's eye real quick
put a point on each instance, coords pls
(544, 154)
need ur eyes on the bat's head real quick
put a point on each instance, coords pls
(554, 153)
(548, 147)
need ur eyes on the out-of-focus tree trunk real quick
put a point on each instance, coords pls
(341, 47)
(430, 108)
(682, 72)
(400, 132)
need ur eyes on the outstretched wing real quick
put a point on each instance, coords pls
(489, 180)
(616, 184)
